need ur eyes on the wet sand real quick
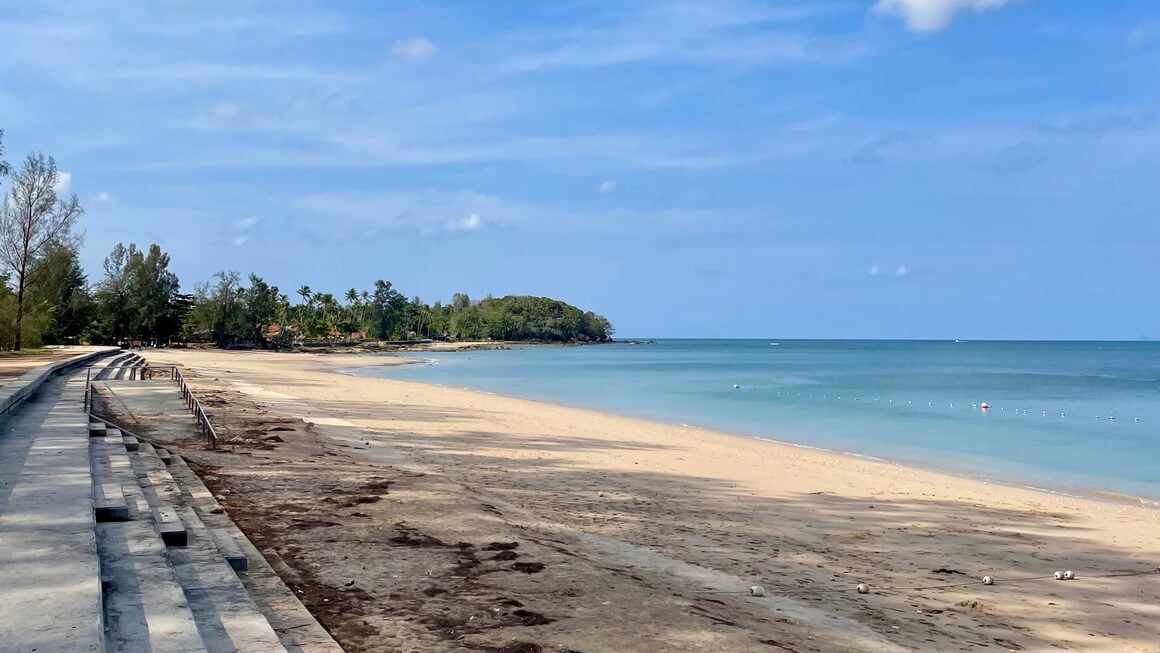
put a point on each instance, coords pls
(648, 534)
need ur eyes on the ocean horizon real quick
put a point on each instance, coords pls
(1078, 417)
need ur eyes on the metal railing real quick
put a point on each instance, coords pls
(146, 371)
(194, 406)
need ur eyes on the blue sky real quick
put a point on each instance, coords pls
(855, 168)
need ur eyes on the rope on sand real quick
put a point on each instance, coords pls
(864, 588)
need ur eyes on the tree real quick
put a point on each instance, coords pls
(31, 220)
(113, 294)
(224, 300)
(262, 304)
(153, 290)
(5, 169)
(60, 296)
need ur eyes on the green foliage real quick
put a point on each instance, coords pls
(258, 315)
(32, 221)
(59, 300)
(527, 318)
(139, 298)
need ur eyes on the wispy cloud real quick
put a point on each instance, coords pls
(874, 271)
(873, 153)
(1099, 123)
(902, 271)
(414, 49)
(238, 241)
(1019, 158)
(104, 197)
(245, 223)
(933, 15)
(470, 223)
(606, 187)
(63, 183)
(729, 31)
(1140, 35)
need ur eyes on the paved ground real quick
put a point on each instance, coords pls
(50, 589)
(15, 365)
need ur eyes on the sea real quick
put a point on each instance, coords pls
(1072, 417)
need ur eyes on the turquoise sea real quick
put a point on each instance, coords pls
(1066, 416)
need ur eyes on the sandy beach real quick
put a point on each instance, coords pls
(502, 524)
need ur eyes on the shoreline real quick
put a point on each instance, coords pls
(1070, 491)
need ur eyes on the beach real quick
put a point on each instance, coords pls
(642, 536)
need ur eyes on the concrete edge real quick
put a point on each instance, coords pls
(320, 638)
(16, 391)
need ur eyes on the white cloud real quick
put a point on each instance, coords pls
(238, 241)
(607, 187)
(245, 223)
(902, 271)
(225, 111)
(470, 223)
(874, 271)
(416, 48)
(1138, 36)
(933, 15)
(103, 197)
(63, 183)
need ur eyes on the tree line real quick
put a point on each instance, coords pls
(46, 296)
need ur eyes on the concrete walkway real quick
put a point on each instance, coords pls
(50, 589)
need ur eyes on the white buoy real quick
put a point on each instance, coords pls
(1135, 419)
(736, 386)
(1069, 575)
(1112, 417)
(757, 590)
(863, 588)
(987, 580)
(1059, 575)
(985, 406)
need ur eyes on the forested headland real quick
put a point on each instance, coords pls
(46, 296)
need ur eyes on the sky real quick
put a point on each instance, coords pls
(733, 168)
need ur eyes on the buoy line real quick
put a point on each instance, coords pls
(865, 588)
(983, 407)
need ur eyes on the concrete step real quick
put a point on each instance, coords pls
(227, 616)
(298, 629)
(50, 590)
(109, 502)
(146, 609)
(97, 429)
(160, 493)
(172, 529)
(222, 529)
(110, 367)
(131, 443)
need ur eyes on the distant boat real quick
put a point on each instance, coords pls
(775, 344)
